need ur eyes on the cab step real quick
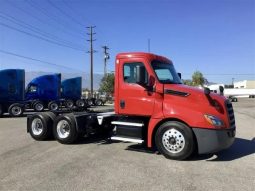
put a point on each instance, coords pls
(125, 139)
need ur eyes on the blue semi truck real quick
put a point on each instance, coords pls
(42, 92)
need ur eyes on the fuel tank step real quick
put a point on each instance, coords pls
(127, 123)
(124, 139)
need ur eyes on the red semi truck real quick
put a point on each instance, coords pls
(152, 106)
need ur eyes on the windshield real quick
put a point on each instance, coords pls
(165, 72)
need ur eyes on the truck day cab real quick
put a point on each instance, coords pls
(152, 106)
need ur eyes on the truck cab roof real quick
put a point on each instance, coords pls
(150, 56)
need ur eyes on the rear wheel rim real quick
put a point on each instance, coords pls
(16, 110)
(54, 106)
(80, 103)
(63, 129)
(38, 107)
(173, 141)
(37, 126)
(69, 104)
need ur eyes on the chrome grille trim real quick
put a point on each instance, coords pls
(231, 115)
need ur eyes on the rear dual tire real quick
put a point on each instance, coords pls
(80, 103)
(38, 106)
(53, 106)
(40, 126)
(69, 104)
(64, 129)
(175, 140)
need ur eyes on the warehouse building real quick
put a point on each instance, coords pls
(246, 84)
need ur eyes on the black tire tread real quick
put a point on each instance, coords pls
(189, 140)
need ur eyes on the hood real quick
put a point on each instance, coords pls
(193, 94)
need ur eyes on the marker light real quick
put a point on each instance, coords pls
(215, 121)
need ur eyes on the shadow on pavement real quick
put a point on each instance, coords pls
(96, 139)
(240, 148)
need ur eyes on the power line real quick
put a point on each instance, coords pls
(53, 18)
(89, 22)
(39, 37)
(37, 30)
(34, 59)
(42, 21)
(64, 13)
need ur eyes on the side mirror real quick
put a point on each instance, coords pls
(140, 75)
(207, 91)
(221, 90)
(180, 75)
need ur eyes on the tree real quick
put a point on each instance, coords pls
(187, 82)
(198, 79)
(107, 84)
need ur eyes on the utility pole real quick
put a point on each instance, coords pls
(106, 57)
(91, 33)
(233, 82)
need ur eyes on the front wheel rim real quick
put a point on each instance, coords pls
(63, 129)
(37, 126)
(173, 141)
(16, 110)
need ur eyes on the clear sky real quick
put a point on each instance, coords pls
(216, 37)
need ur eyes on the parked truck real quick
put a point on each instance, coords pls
(42, 92)
(153, 107)
(12, 86)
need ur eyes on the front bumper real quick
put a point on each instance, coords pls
(211, 140)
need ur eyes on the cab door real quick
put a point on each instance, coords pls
(134, 99)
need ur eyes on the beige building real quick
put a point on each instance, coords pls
(246, 84)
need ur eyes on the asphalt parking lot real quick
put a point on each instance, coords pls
(95, 164)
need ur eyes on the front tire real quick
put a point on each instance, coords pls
(64, 129)
(40, 126)
(175, 140)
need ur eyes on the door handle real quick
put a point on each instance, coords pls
(122, 104)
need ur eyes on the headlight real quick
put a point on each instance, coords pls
(215, 121)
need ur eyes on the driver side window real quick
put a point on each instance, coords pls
(129, 72)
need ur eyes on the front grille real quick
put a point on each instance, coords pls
(231, 115)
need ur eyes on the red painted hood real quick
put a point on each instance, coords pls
(190, 104)
(194, 92)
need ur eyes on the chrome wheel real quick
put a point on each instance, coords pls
(37, 126)
(16, 110)
(173, 140)
(63, 129)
